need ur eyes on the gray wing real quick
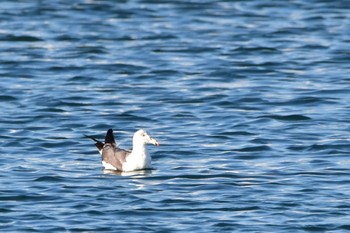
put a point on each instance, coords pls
(114, 155)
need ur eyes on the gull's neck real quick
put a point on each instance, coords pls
(138, 159)
(139, 148)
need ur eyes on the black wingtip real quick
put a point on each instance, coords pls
(98, 144)
(109, 137)
(91, 137)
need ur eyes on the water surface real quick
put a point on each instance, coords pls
(249, 100)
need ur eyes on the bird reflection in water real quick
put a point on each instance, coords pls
(142, 173)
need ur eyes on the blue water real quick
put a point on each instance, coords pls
(249, 100)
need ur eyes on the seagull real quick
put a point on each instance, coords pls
(115, 158)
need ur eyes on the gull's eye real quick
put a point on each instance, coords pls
(143, 134)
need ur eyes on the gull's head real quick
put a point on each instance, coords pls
(141, 136)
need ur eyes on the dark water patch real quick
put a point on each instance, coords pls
(121, 68)
(27, 197)
(50, 110)
(72, 103)
(258, 50)
(49, 179)
(165, 72)
(304, 100)
(67, 37)
(191, 209)
(133, 116)
(5, 98)
(99, 126)
(254, 149)
(73, 126)
(213, 97)
(91, 49)
(19, 38)
(19, 120)
(293, 117)
(185, 50)
(335, 146)
(223, 75)
(317, 228)
(251, 100)
(56, 143)
(79, 78)
(160, 36)
(314, 46)
(5, 210)
(66, 68)
(185, 115)
(224, 103)
(329, 91)
(344, 227)
(236, 133)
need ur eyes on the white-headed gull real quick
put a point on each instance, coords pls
(115, 158)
